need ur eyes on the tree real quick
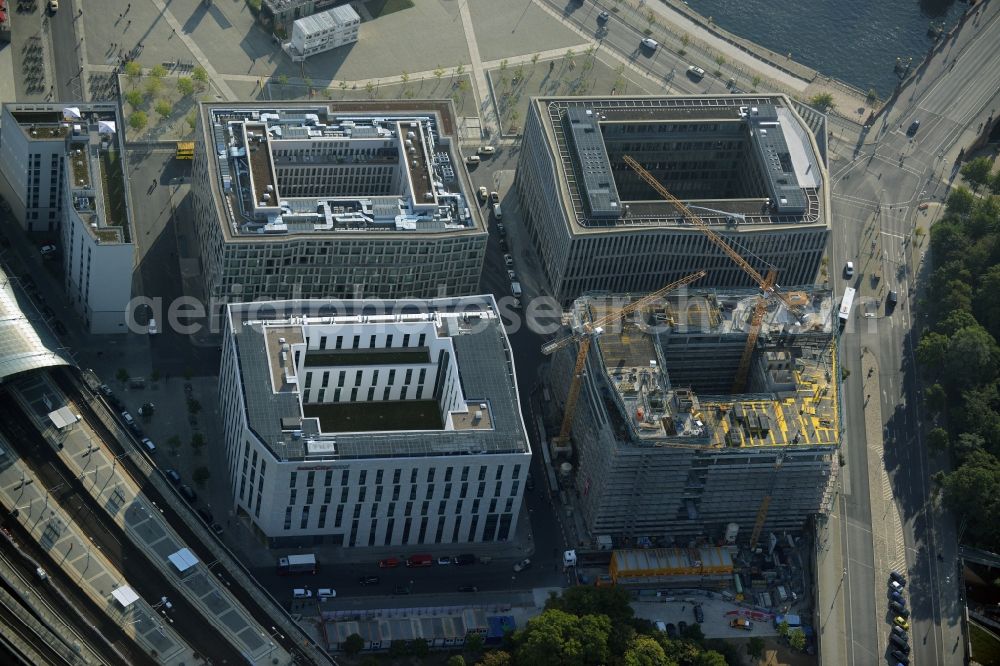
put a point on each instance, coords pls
(560, 638)
(534, 59)
(191, 119)
(405, 77)
(185, 86)
(503, 65)
(474, 643)
(937, 440)
(872, 96)
(720, 60)
(197, 441)
(122, 375)
(460, 70)
(756, 80)
(134, 98)
(995, 183)
(931, 350)
(455, 660)
(133, 71)
(164, 108)
(174, 443)
(397, 649)
(370, 89)
(193, 406)
(755, 647)
(138, 120)
(353, 644)
(977, 172)
(822, 101)
(200, 476)
(495, 658)
(935, 399)
(154, 86)
(711, 658)
(973, 491)
(644, 651)
(585, 600)
(419, 647)
(158, 71)
(960, 202)
(200, 74)
(568, 57)
(783, 629)
(797, 639)
(438, 72)
(972, 357)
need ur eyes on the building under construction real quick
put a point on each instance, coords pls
(663, 451)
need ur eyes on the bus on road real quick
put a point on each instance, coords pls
(845, 305)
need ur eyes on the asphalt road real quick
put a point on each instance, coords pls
(877, 188)
(66, 54)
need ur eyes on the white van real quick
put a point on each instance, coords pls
(487, 150)
(472, 159)
(301, 593)
(497, 212)
(153, 328)
(515, 288)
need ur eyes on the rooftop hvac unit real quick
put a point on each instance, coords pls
(281, 341)
(482, 406)
(478, 416)
(284, 358)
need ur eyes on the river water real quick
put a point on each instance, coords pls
(856, 41)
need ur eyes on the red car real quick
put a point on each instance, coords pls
(388, 563)
(420, 561)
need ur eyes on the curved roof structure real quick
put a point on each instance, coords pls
(22, 346)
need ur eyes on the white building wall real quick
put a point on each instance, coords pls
(98, 276)
(24, 164)
(322, 32)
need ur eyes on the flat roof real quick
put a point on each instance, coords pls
(486, 420)
(330, 19)
(95, 164)
(796, 183)
(294, 169)
(367, 356)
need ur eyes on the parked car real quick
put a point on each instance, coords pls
(48, 249)
(129, 421)
(899, 609)
(699, 614)
(896, 585)
(899, 631)
(494, 198)
(849, 270)
(901, 644)
(696, 73)
(206, 515)
(487, 150)
(388, 563)
(900, 657)
(444, 560)
(650, 44)
(603, 17)
(172, 474)
(898, 577)
(419, 560)
(901, 622)
(484, 194)
(891, 299)
(468, 588)
(326, 593)
(148, 443)
(401, 589)
(59, 327)
(523, 564)
(217, 528)
(188, 493)
(508, 260)
(500, 229)
(369, 580)
(301, 593)
(671, 630)
(511, 275)
(465, 558)
(682, 627)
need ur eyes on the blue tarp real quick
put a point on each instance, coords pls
(498, 626)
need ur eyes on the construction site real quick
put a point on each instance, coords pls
(698, 416)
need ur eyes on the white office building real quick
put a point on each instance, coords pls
(62, 171)
(323, 31)
(335, 200)
(373, 423)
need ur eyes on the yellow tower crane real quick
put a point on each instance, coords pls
(584, 334)
(766, 283)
